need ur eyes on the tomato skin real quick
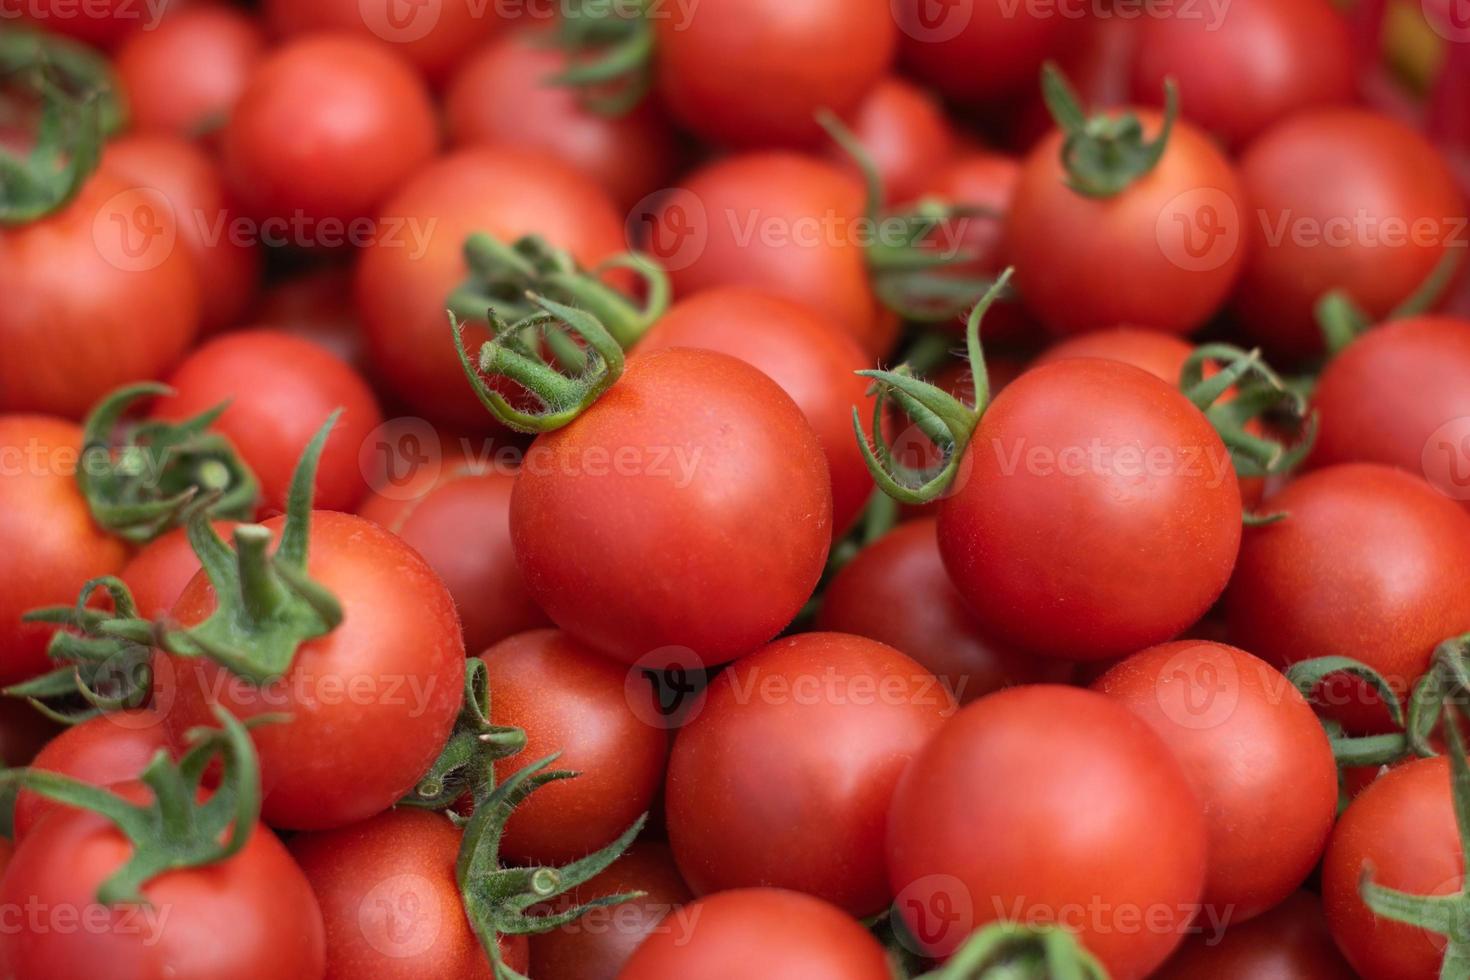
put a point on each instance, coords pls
(802, 938)
(317, 306)
(1256, 755)
(753, 73)
(157, 573)
(896, 591)
(1088, 264)
(390, 902)
(906, 133)
(189, 70)
(89, 305)
(596, 946)
(51, 544)
(281, 390)
(1290, 942)
(983, 50)
(1018, 843)
(500, 95)
(367, 126)
(1305, 242)
(788, 224)
(1034, 536)
(252, 915)
(631, 559)
(189, 180)
(372, 702)
(809, 356)
(401, 291)
(571, 699)
(1403, 827)
(1386, 594)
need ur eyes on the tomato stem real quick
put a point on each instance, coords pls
(466, 766)
(1254, 390)
(1104, 154)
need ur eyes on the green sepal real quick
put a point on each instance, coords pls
(466, 766)
(1104, 154)
(610, 49)
(1015, 952)
(1259, 392)
(74, 67)
(67, 148)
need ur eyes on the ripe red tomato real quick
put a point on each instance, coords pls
(809, 356)
(1255, 753)
(755, 72)
(51, 544)
(404, 280)
(790, 225)
(1344, 199)
(183, 76)
(501, 95)
(800, 938)
(317, 306)
(906, 134)
(1290, 942)
(371, 703)
(572, 700)
(62, 348)
(1054, 530)
(1384, 594)
(188, 181)
(596, 946)
(1403, 828)
(1082, 819)
(280, 389)
(331, 157)
(1240, 72)
(896, 591)
(981, 49)
(784, 776)
(633, 524)
(1162, 254)
(390, 901)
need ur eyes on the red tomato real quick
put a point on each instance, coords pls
(1054, 530)
(596, 946)
(62, 347)
(600, 722)
(501, 95)
(280, 389)
(981, 49)
(1082, 819)
(317, 306)
(799, 938)
(1163, 254)
(157, 572)
(184, 75)
(1344, 199)
(51, 544)
(187, 180)
(1385, 594)
(788, 224)
(897, 591)
(1160, 354)
(784, 776)
(326, 129)
(809, 356)
(372, 702)
(755, 72)
(390, 901)
(1256, 755)
(1403, 828)
(1291, 942)
(101, 23)
(249, 916)
(906, 134)
(404, 281)
(633, 524)
(1243, 70)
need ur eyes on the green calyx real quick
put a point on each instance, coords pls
(467, 762)
(1104, 154)
(1006, 951)
(73, 66)
(1342, 320)
(610, 48)
(944, 419)
(1258, 393)
(514, 353)
(174, 830)
(142, 487)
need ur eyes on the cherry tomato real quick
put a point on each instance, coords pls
(317, 306)
(331, 157)
(634, 523)
(800, 938)
(51, 544)
(1290, 942)
(981, 50)
(809, 356)
(1055, 530)
(906, 134)
(157, 572)
(1082, 819)
(1256, 755)
(390, 901)
(1344, 199)
(1384, 594)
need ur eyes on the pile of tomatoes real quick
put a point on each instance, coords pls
(799, 489)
